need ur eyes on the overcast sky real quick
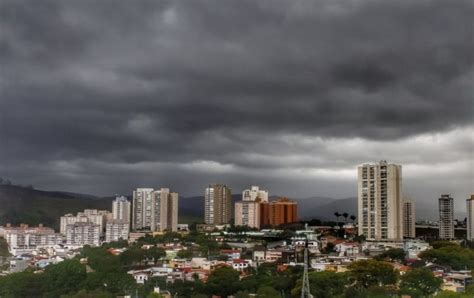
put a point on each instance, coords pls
(102, 97)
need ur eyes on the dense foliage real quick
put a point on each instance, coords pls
(453, 256)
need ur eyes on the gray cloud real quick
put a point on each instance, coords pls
(104, 96)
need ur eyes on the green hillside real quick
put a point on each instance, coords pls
(26, 205)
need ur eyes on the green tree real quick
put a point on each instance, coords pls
(267, 292)
(22, 284)
(155, 253)
(450, 255)
(132, 256)
(325, 284)
(65, 277)
(370, 273)
(185, 254)
(421, 279)
(393, 254)
(89, 294)
(223, 281)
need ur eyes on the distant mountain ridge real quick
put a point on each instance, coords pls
(20, 204)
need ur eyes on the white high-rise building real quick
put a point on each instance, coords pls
(117, 229)
(155, 210)
(247, 212)
(83, 233)
(470, 218)
(255, 193)
(409, 218)
(380, 205)
(142, 209)
(217, 204)
(121, 209)
(446, 217)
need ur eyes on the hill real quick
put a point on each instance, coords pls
(20, 204)
(26, 205)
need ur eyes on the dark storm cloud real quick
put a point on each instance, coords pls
(108, 90)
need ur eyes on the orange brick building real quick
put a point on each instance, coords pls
(278, 212)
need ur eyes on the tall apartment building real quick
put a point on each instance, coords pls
(166, 210)
(155, 210)
(247, 211)
(380, 205)
(121, 209)
(446, 217)
(281, 211)
(409, 218)
(470, 218)
(83, 233)
(142, 216)
(117, 229)
(217, 204)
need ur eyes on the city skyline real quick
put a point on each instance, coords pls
(291, 96)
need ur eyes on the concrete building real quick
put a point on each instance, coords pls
(95, 216)
(470, 218)
(155, 210)
(247, 211)
(217, 204)
(380, 205)
(142, 217)
(281, 211)
(165, 211)
(25, 237)
(255, 194)
(446, 217)
(121, 208)
(409, 218)
(83, 233)
(70, 219)
(117, 229)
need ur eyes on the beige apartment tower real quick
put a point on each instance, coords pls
(247, 212)
(470, 218)
(155, 210)
(409, 219)
(380, 205)
(446, 217)
(217, 204)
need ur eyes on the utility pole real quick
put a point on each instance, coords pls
(305, 289)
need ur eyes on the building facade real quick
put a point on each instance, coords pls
(117, 229)
(95, 216)
(470, 218)
(409, 219)
(446, 217)
(83, 233)
(121, 209)
(217, 204)
(247, 212)
(380, 205)
(281, 211)
(155, 210)
(255, 194)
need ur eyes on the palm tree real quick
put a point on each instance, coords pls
(337, 215)
(353, 218)
(345, 215)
